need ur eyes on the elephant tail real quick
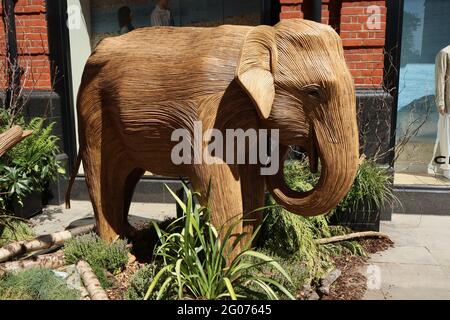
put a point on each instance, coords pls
(75, 170)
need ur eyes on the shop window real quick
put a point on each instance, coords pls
(421, 159)
(199, 13)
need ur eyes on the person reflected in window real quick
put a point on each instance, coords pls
(125, 20)
(161, 15)
(443, 105)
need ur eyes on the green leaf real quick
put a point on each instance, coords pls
(230, 288)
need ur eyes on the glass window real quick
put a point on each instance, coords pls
(200, 13)
(420, 128)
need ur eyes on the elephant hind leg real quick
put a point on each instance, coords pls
(106, 174)
(130, 184)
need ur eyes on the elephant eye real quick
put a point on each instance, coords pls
(313, 91)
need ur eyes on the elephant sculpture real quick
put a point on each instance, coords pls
(138, 88)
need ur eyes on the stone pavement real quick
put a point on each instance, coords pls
(418, 266)
(57, 218)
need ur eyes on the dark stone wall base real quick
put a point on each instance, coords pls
(374, 108)
(148, 190)
(423, 200)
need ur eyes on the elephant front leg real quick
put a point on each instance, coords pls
(225, 202)
(253, 192)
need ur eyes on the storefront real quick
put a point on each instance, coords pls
(379, 39)
(421, 154)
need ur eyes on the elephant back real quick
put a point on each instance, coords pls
(170, 62)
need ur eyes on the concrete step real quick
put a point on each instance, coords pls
(423, 200)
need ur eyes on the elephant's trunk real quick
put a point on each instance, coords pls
(338, 151)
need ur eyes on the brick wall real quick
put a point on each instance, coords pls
(362, 27)
(32, 39)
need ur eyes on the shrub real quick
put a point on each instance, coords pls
(371, 185)
(31, 164)
(370, 191)
(140, 282)
(35, 284)
(195, 260)
(293, 267)
(12, 230)
(292, 237)
(100, 255)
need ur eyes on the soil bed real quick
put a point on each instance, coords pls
(351, 285)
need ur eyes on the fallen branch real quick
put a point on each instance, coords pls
(351, 236)
(49, 261)
(12, 137)
(90, 281)
(42, 242)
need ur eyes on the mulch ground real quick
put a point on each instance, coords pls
(352, 284)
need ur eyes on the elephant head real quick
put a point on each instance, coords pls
(296, 75)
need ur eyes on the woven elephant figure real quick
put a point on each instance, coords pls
(140, 87)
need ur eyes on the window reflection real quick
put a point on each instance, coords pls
(426, 31)
(145, 13)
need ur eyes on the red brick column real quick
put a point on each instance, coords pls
(291, 9)
(362, 27)
(363, 30)
(32, 40)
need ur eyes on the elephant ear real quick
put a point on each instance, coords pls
(256, 66)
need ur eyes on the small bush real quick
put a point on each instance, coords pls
(371, 186)
(292, 237)
(140, 282)
(35, 284)
(100, 254)
(12, 230)
(293, 267)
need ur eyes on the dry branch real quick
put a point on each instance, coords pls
(351, 236)
(90, 281)
(12, 137)
(49, 261)
(42, 242)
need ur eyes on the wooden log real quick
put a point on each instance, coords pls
(12, 137)
(49, 261)
(90, 281)
(351, 236)
(15, 249)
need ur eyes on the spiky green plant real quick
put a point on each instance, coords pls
(195, 259)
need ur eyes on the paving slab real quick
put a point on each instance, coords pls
(405, 255)
(418, 266)
(57, 218)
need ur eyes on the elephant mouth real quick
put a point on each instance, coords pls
(312, 150)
